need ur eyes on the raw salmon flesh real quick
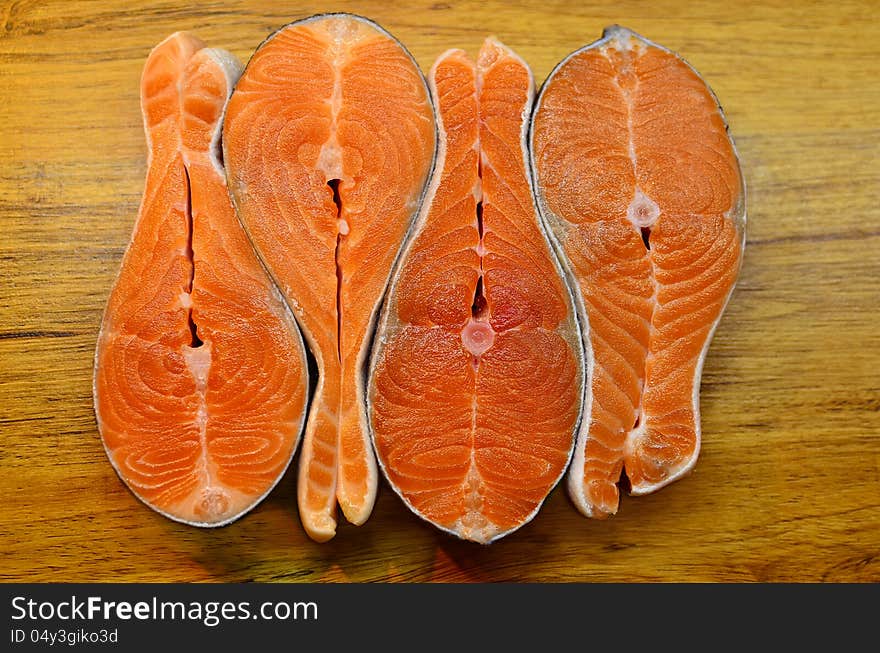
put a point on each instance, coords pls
(329, 140)
(200, 380)
(640, 184)
(477, 376)
(495, 289)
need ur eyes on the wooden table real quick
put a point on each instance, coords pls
(787, 487)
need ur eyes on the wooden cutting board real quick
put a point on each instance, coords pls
(787, 487)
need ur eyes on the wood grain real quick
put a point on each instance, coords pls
(787, 487)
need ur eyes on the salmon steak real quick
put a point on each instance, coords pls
(639, 182)
(200, 382)
(477, 377)
(329, 140)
